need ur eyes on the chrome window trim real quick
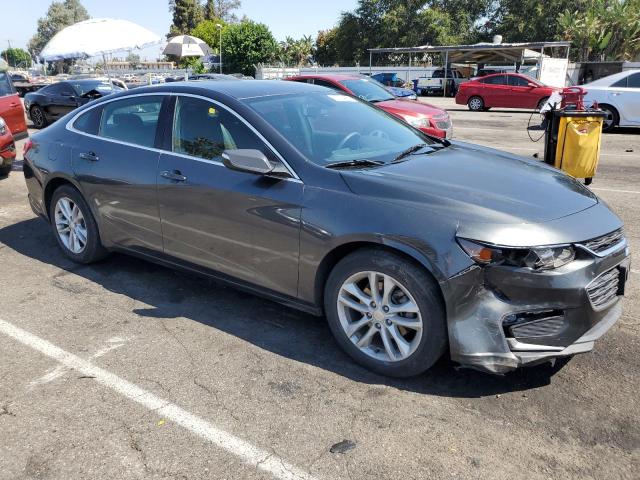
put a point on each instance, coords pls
(69, 126)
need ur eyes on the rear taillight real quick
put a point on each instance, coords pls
(27, 146)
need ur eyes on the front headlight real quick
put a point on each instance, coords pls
(3, 126)
(418, 122)
(536, 258)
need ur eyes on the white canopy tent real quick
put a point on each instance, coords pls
(98, 37)
(186, 46)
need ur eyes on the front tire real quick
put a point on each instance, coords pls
(74, 227)
(398, 327)
(38, 117)
(476, 104)
(541, 103)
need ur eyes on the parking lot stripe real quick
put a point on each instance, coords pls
(247, 452)
(614, 190)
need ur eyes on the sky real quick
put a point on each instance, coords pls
(284, 17)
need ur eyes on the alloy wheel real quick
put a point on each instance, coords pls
(379, 316)
(475, 104)
(609, 119)
(37, 115)
(70, 225)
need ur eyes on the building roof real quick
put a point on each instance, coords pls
(480, 52)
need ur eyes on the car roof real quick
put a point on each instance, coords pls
(233, 88)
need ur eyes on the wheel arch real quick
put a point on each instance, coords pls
(391, 245)
(52, 185)
(615, 111)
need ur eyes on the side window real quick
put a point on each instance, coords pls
(497, 80)
(203, 129)
(66, 90)
(515, 81)
(132, 120)
(633, 81)
(6, 87)
(622, 83)
(89, 121)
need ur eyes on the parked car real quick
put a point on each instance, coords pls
(11, 109)
(411, 246)
(56, 100)
(388, 79)
(434, 84)
(506, 90)
(404, 93)
(212, 76)
(7, 149)
(619, 96)
(428, 118)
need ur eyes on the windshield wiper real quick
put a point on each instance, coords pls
(355, 163)
(410, 151)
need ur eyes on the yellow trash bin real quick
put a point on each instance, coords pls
(578, 148)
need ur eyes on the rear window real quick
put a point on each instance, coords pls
(497, 80)
(89, 121)
(132, 120)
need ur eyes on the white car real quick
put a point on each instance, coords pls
(619, 96)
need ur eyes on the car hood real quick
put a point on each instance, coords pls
(399, 106)
(473, 184)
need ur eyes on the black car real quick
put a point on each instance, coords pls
(411, 246)
(51, 102)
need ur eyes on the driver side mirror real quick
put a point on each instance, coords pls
(247, 160)
(531, 85)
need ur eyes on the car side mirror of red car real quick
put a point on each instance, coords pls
(531, 85)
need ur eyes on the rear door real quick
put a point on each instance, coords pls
(240, 224)
(496, 91)
(115, 160)
(11, 109)
(626, 99)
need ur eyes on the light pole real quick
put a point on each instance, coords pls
(220, 59)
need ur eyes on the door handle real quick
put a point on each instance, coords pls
(92, 157)
(173, 175)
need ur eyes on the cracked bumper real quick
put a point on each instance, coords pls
(479, 338)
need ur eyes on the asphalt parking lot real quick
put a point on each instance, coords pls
(129, 370)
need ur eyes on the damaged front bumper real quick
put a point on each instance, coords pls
(506, 317)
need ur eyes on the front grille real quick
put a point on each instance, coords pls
(600, 244)
(544, 327)
(604, 289)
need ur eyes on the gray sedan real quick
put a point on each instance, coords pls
(409, 245)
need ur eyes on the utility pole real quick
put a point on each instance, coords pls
(220, 28)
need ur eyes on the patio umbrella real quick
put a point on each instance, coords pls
(97, 36)
(186, 46)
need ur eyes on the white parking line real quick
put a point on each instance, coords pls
(247, 452)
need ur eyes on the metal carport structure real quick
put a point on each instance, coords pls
(479, 53)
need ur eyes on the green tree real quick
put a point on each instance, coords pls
(296, 52)
(59, 15)
(133, 59)
(186, 15)
(245, 45)
(325, 47)
(216, 9)
(208, 31)
(603, 30)
(16, 57)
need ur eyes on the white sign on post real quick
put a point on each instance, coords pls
(553, 71)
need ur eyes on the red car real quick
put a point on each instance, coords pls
(427, 118)
(11, 109)
(7, 149)
(510, 90)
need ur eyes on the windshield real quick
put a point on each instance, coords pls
(333, 127)
(101, 86)
(367, 89)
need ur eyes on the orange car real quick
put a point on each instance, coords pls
(11, 109)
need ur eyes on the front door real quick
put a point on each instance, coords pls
(116, 162)
(523, 94)
(240, 224)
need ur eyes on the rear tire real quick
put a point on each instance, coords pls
(400, 326)
(74, 227)
(475, 104)
(38, 117)
(611, 120)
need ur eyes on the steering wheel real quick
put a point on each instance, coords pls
(379, 134)
(347, 139)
